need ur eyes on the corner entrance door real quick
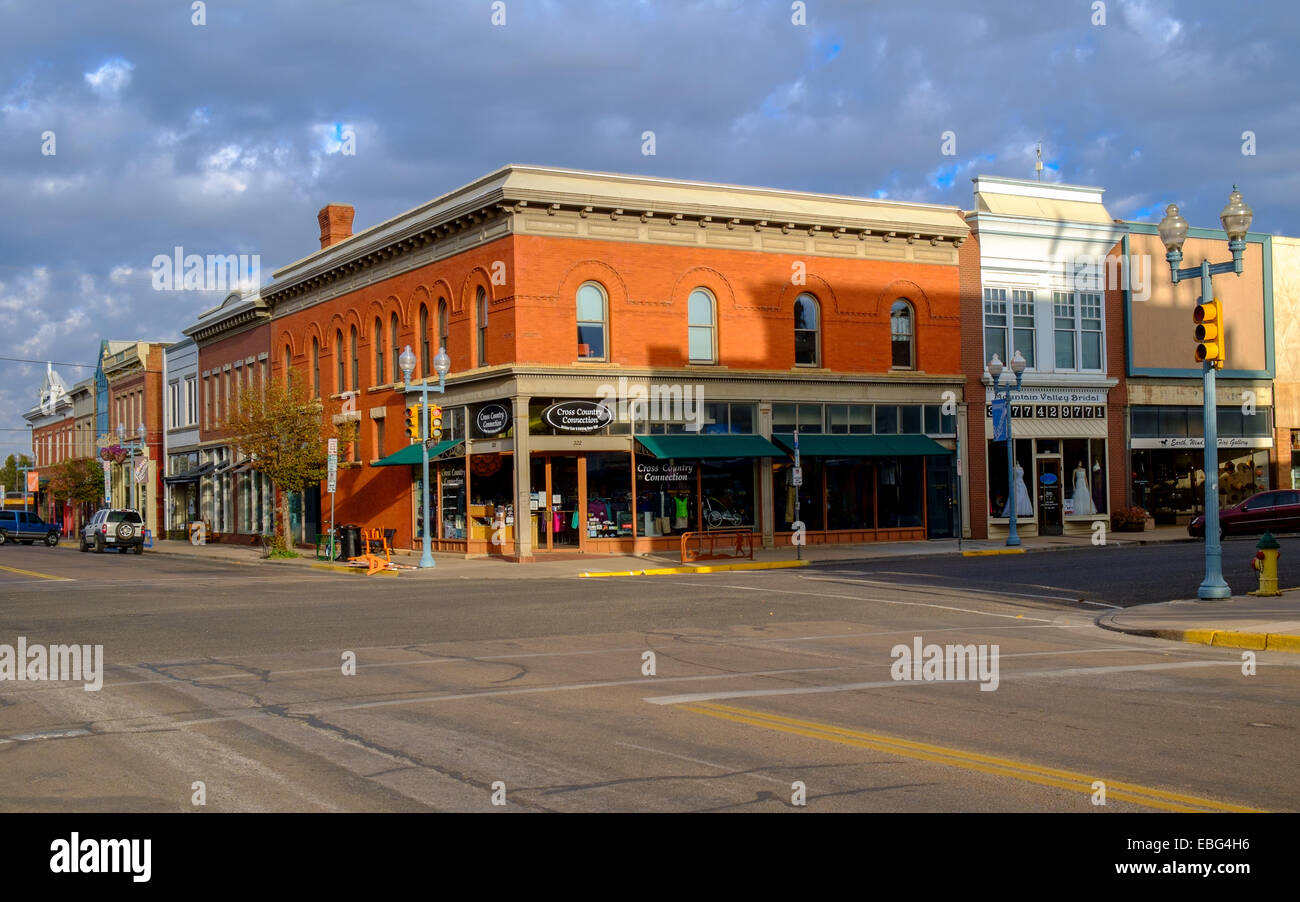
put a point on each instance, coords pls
(559, 523)
(1050, 507)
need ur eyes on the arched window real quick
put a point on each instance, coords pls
(315, 367)
(592, 320)
(339, 385)
(902, 336)
(425, 359)
(807, 332)
(442, 323)
(352, 355)
(379, 352)
(700, 327)
(393, 347)
(288, 363)
(481, 308)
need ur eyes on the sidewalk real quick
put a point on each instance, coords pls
(448, 565)
(1242, 621)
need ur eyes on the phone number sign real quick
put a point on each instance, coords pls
(1054, 411)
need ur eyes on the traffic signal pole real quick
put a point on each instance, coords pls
(1214, 585)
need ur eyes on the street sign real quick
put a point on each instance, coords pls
(332, 468)
(1000, 419)
(108, 481)
(796, 476)
(333, 446)
(142, 471)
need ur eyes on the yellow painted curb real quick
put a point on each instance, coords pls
(993, 551)
(1233, 639)
(358, 570)
(717, 568)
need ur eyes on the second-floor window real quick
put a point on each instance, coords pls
(901, 336)
(315, 367)
(425, 358)
(174, 404)
(700, 327)
(191, 400)
(481, 308)
(379, 351)
(339, 364)
(807, 331)
(591, 322)
(1078, 324)
(442, 323)
(394, 348)
(1009, 324)
(352, 354)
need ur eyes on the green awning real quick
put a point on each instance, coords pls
(820, 445)
(411, 454)
(708, 447)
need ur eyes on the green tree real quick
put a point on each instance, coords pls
(285, 431)
(79, 480)
(10, 476)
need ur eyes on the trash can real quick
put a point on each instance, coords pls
(350, 540)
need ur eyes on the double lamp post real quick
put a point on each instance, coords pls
(1236, 217)
(130, 474)
(441, 366)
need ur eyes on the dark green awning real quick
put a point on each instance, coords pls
(411, 454)
(820, 445)
(708, 447)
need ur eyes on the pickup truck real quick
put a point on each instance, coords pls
(21, 526)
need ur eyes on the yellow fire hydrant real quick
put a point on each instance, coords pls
(1265, 564)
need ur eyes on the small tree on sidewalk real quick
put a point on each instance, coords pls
(284, 431)
(79, 480)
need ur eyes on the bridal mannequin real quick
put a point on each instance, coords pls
(1082, 492)
(1024, 508)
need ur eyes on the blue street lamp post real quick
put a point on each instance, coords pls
(441, 366)
(1236, 217)
(995, 370)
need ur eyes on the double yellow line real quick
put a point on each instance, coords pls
(987, 764)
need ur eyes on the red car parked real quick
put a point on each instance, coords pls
(1277, 511)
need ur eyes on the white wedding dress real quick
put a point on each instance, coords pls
(1082, 493)
(1023, 506)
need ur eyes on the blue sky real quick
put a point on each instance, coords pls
(227, 137)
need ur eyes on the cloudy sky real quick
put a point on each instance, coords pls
(227, 137)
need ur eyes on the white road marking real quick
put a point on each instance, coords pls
(889, 684)
(912, 604)
(757, 776)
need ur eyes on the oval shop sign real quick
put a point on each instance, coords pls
(578, 416)
(492, 419)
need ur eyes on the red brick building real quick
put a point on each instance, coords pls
(706, 321)
(134, 374)
(236, 503)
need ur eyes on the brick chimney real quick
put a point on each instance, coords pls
(335, 223)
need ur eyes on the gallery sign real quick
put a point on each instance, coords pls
(1198, 442)
(578, 416)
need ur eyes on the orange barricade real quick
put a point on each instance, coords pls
(717, 544)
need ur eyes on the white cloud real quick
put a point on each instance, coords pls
(1149, 20)
(110, 79)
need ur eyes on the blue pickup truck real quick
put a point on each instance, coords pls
(21, 526)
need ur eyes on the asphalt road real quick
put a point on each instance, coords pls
(234, 678)
(1119, 576)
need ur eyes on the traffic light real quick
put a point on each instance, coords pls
(413, 421)
(1209, 332)
(435, 421)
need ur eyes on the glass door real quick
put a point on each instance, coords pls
(567, 520)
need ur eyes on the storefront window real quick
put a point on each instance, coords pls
(665, 496)
(850, 493)
(997, 469)
(809, 494)
(728, 493)
(609, 495)
(900, 488)
(1083, 476)
(452, 503)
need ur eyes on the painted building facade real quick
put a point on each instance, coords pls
(1049, 280)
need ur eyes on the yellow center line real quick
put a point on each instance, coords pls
(988, 764)
(34, 573)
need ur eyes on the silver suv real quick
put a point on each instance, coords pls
(120, 529)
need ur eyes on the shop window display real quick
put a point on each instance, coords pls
(665, 497)
(850, 493)
(491, 507)
(997, 470)
(784, 492)
(609, 495)
(1083, 465)
(727, 488)
(453, 506)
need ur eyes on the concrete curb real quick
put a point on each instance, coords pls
(1215, 638)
